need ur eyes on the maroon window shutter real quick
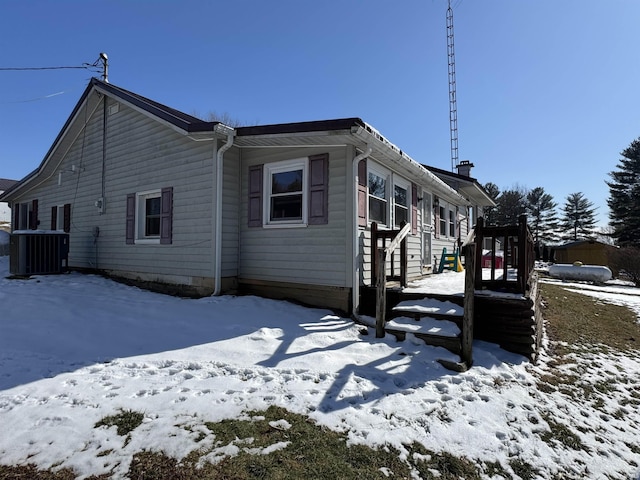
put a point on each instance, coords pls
(166, 216)
(362, 193)
(255, 196)
(54, 218)
(33, 221)
(414, 209)
(67, 218)
(16, 216)
(318, 189)
(131, 218)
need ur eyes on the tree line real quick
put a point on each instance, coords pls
(575, 218)
(549, 226)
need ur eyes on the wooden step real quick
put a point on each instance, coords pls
(428, 307)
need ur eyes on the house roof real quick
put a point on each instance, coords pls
(578, 243)
(469, 186)
(6, 184)
(307, 133)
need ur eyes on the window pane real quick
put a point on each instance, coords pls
(377, 186)
(152, 217)
(286, 182)
(152, 227)
(286, 207)
(153, 206)
(377, 210)
(400, 215)
(400, 195)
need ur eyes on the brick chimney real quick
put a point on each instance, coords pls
(464, 168)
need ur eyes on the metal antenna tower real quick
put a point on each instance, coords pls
(453, 104)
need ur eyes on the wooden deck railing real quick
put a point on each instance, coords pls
(380, 256)
(512, 270)
(397, 269)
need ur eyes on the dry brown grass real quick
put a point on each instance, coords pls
(578, 319)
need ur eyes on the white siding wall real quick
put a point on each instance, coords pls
(316, 254)
(141, 154)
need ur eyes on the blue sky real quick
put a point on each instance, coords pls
(548, 91)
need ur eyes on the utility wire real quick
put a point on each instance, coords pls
(85, 67)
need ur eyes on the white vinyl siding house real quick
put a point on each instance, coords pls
(135, 184)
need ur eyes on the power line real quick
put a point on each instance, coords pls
(85, 67)
(101, 61)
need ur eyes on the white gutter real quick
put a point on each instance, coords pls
(217, 249)
(355, 287)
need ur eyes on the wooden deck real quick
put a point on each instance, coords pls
(499, 305)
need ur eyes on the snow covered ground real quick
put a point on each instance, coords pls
(76, 348)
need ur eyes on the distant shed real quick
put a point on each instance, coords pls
(589, 252)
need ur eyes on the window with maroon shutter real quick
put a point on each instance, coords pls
(255, 196)
(149, 217)
(362, 193)
(318, 189)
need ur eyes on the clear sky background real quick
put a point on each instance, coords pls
(548, 90)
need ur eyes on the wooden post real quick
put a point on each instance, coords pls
(374, 256)
(478, 255)
(522, 254)
(467, 320)
(381, 293)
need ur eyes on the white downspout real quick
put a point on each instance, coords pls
(355, 287)
(218, 223)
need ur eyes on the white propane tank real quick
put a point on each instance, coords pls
(578, 271)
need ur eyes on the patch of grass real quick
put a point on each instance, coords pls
(493, 469)
(31, 472)
(312, 452)
(580, 319)
(523, 469)
(560, 433)
(126, 421)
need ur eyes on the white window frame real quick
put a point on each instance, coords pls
(406, 185)
(452, 223)
(141, 217)
(391, 180)
(60, 218)
(281, 167)
(23, 213)
(386, 176)
(444, 220)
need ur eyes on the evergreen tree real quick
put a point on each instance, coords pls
(578, 220)
(624, 197)
(489, 213)
(511, 204)
(542, 216)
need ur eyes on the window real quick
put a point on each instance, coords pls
(285, 192)
(61, 218)
(290, 193)
(25, 215)
(377, 198)
(24, 221)
(400, 204)
(149, 217)
(443, 221)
